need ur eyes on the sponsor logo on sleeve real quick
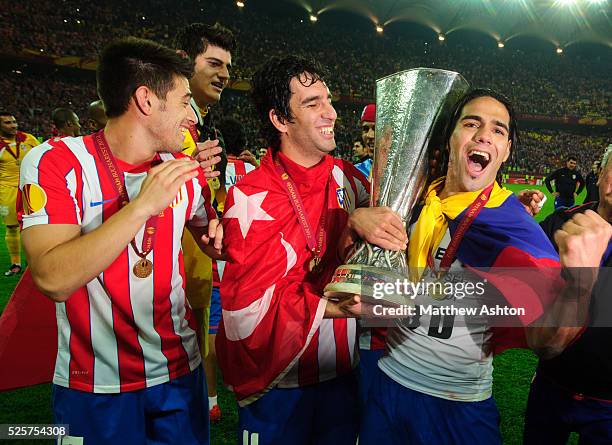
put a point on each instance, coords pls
(34, 198)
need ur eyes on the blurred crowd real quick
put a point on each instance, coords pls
(542, 83)
(545, 84)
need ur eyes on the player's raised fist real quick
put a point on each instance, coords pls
(583, 240)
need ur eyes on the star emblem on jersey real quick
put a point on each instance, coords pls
(246, 209)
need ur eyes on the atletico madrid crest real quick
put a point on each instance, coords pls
(344, 200)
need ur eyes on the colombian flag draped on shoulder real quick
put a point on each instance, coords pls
(503, 244)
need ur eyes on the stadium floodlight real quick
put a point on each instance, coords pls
(566, 2)
(500, 44)
(379, 29)
(441, 37)
(559, 50)
(313, 18)
(240, 4)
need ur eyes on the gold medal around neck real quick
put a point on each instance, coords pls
(313, 266)
(143, 268)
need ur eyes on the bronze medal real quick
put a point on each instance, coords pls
(313, 266)
(143, 268)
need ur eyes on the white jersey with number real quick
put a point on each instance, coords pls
(441, 355)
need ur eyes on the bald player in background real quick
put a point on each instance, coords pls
(66, 123)
(96, 116)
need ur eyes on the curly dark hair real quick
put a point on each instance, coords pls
(195, 38)
(271, 90)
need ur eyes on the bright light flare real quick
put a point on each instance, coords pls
(240, 4)
(559, 50)
(500, 44)
(313, 18)
(441, 37)
(379, 29)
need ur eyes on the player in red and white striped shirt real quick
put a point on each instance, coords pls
(128, 366)
(288, 353)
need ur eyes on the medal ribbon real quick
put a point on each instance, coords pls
(465, 223)
(315, 244)
(18, 140)
(117, 179)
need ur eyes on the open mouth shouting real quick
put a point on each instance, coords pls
(477, 162)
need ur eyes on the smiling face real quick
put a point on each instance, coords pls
(173, 116)
(211, 75)
(571, 164)
(311, 134)
(479, 144)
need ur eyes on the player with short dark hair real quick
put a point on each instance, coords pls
(102, 221)
(14, 145)
(591, 180)
(210, 47)
(568, 183)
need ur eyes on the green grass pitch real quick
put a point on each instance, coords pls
(513, 372)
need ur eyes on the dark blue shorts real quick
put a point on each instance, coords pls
(324, 414)
(396, 415)
(368, 366)
(553, 413)
(172, 413)
(563, 203)
(215, 311)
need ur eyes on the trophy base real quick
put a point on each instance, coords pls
(374, 285)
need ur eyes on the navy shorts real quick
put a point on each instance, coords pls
(172, 413)
(215, 311)
(396, 415)
(368, 366)
(324, 414)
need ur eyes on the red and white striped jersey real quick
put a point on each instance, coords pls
(272, 332)
(119, 332)
(235, 171)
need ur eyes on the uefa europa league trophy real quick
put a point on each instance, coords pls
(412, 110)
